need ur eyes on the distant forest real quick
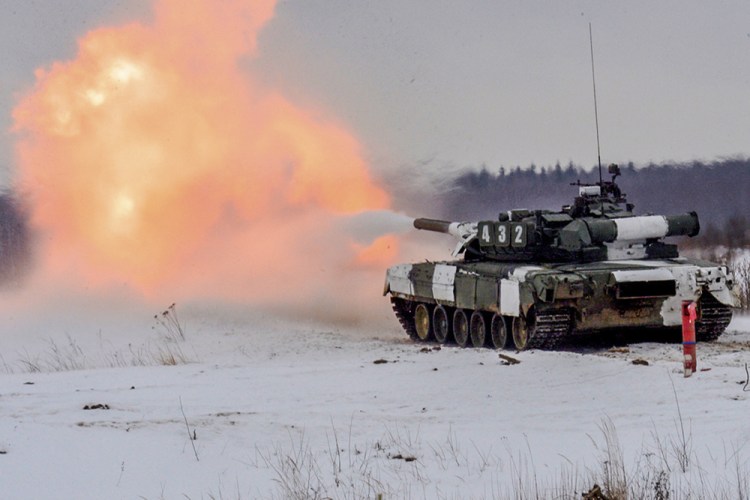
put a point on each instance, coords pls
(719, 192)
(15, 241)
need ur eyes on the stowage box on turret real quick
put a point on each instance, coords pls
(540, 276)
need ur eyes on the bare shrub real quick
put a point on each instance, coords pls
(29, 363)
(168, 350)
(737, 261)
(340, 469)
(170, 324)
(168, 354)
(165, 349)
(613, 479)
(297, 471)
(740, 267)
(65, 357)
(681, 447)
(56, 358)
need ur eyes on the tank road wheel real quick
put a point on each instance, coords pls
(441, 324)
(460, 327)
(522, 331)
(422, 322)
(477, 329)
(498, 332)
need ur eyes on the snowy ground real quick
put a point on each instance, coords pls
(279, 408)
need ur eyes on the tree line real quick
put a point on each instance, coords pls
(15, 239)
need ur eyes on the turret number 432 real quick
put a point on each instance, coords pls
(502, 234)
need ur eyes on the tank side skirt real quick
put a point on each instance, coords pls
(510, 298)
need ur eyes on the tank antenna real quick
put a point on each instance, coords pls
(596, 111)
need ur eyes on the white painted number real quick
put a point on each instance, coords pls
(502, 234)
(519, 235)
(486, 234)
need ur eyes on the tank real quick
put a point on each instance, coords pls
(536, 278)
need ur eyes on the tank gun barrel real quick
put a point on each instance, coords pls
(464, 232)
(435, 225)
(683, 225)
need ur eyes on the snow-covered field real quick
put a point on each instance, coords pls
(265, 408)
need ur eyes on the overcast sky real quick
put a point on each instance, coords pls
(456, 84)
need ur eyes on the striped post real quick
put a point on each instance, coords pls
(689, 316)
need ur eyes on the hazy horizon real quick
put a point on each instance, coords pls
(442, 86)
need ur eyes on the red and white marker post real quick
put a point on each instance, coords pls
(689, 315)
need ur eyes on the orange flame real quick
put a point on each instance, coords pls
(154, 159)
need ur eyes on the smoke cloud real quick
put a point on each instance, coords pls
(155, 161)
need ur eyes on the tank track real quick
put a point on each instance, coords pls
(553, 328)
(550, 329)
(715, 318)
(404, 310)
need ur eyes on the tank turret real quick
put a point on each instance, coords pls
(599, 225)
(540, 276)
